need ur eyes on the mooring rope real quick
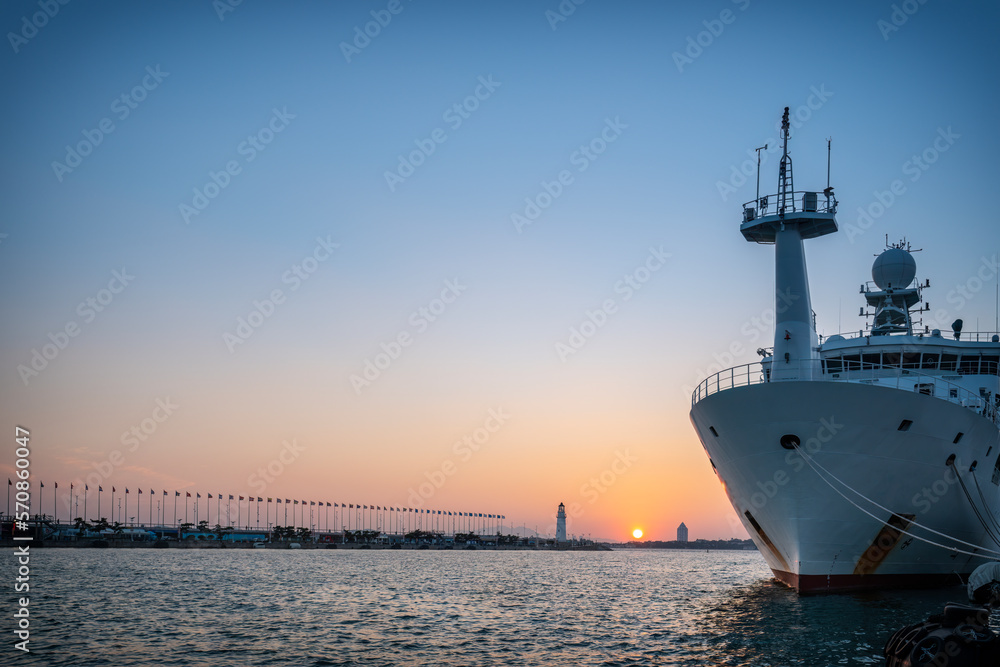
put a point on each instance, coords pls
(813, 464)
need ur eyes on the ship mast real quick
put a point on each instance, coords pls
(796, 349)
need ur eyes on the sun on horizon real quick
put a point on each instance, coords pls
(637, 533)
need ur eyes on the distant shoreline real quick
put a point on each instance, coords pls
(274, 546)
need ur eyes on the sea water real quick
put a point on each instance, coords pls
(361, 607)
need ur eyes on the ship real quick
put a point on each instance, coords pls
(858, 461)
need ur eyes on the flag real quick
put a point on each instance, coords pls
(9, 483)
(296, 502)
(140, 492)
(328, 504)
(279, 501)
(268, 500)
(57, 485)
(210, 496)
(165, 492)
(199, 495)
(41, 484)
(188, 494)
(86, 487)
(100, 489)
(351, 507)
(126, 490)
(335, 504)
(260, 500)
(312, 502)
(113, 490)
(230, 496)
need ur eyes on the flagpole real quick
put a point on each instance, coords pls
(86, 493)
(55, 504)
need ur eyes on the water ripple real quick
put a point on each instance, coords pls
(336, 607)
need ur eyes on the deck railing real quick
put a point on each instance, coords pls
(870, 374)
(799, 201)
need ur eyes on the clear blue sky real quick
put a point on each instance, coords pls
(679, 128)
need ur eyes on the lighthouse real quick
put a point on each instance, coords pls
(561, 523)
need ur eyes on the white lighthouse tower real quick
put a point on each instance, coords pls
(795, 216)
(561, 523)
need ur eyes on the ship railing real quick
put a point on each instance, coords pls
(964, 336)
(805, 201)
(859, 373)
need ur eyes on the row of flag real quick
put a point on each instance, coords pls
(313, 503)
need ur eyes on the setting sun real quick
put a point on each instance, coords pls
(637, 533)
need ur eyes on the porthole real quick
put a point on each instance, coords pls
(789, 441)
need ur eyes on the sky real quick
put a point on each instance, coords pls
(454, 256)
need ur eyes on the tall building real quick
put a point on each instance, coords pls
(561, 523)
(682, 533)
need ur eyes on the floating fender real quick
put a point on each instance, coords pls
(960, 637)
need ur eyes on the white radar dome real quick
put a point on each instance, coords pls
(894, 268)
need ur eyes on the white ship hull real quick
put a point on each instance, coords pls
(815, 539)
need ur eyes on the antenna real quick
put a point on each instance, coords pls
(828, 140)
(786, 187)
(762, 148)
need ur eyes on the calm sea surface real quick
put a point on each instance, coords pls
(329, 607)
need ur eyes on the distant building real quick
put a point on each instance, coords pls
(561, 523)
(682, 533)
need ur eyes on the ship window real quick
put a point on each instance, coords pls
(905, 425)
(911, 360)
(989, 365)
(930, 361)
(959, 437)
(870, 360)
(953, 393)
(925, 388)
(852, 362)
(833, 365)
(949, 362)
(890, 359)
(969, 365)
(714, 432)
